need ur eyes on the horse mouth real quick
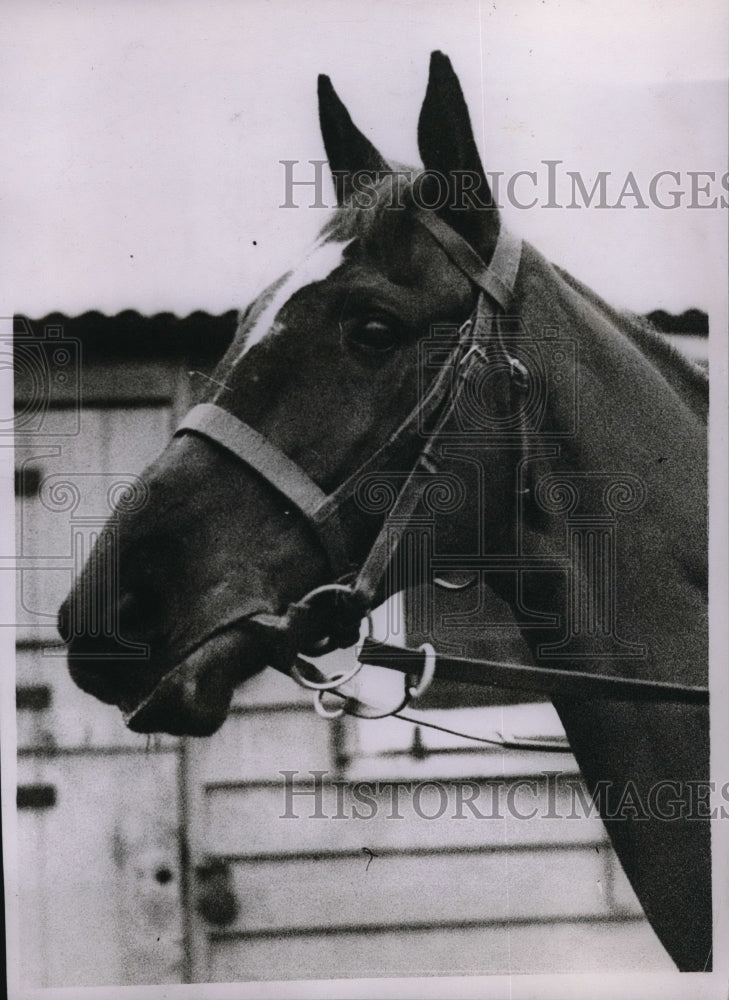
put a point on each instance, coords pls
(193, 698)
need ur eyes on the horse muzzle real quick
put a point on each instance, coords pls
(192, 696)
(193, 699)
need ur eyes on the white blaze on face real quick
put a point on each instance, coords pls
(319, 263)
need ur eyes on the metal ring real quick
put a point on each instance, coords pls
(348, 705)
(329, 684)
(325, 588)
(423, 682)
(326, 713)
(376, 714)
(370, 624)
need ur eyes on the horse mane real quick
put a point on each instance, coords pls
(690, 381)
(659, 349)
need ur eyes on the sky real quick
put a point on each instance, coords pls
(143, 140)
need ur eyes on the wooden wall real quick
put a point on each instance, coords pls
(332, 883)
(170, 861)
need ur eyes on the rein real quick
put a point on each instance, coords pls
(330, 616)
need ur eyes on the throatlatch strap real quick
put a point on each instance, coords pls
(255, 451)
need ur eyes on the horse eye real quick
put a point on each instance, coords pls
(373, 335)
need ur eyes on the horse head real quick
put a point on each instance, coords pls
(332, 407)
(324, 375)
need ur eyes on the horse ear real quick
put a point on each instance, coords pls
(347, 149)
(448, 149)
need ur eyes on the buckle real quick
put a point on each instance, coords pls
(465, 328)
(519, 373)
(474, 355)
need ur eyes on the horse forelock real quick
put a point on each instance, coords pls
(384, 201)
(381, 218)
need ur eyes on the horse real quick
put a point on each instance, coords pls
(420, 344)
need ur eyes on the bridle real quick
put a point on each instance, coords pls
(323, 512)
(343, 605)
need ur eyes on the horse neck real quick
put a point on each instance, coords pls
(618, 504)
(622, 500)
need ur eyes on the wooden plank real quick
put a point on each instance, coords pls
(299, 816)
(33, 697)
(109, 382)
(419, 889)
(73, 719)
(267, 689)
(251, 747)
(623, 899)
(395, 748)
(43, 534)
(36, 796)
(369, 737)
(113, 445)
(471, 763)
(590, 946)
